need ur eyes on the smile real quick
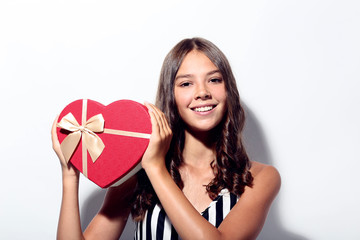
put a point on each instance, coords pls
(203, 109)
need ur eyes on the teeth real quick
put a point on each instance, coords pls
(203, 109)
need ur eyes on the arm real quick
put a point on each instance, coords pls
(243, 222)
(248, 216)
(69, 226)
(111, 219)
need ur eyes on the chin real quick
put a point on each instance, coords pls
(203, 128)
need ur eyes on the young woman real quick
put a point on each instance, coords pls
(197, 181)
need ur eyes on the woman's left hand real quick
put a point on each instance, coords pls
(160, 139)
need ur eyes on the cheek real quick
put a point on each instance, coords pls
(177, 99)
(178, 102)
(220, 95)
(219, 92)
(223, 99)
(181, 98)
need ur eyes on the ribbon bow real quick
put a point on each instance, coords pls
(90, 140)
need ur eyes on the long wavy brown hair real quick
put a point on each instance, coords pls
(231, 165)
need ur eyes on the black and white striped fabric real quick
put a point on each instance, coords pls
(156, 225)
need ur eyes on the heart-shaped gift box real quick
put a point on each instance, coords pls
(105, 143)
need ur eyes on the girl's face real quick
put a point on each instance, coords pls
(200, 93)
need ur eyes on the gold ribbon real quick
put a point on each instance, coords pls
(86, 132)
(92, 142)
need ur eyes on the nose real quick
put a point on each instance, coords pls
(202, 92)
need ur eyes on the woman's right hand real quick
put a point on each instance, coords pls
(67, 168)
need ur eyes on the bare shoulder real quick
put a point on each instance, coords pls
(265, 176)
(258, 168)
(253, 205)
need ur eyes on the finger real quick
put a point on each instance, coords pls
(164, 123)
(154, 123)
(162, 118)
(55, 140)
(156, 115)
(53, 130)
(168, 129)
(164, 129)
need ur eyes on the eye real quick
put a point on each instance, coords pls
(216, 80)
(184, 84)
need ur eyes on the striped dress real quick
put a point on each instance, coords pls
(156, 225)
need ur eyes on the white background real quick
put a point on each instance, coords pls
(297, 67)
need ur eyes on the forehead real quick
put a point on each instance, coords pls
(196, 62)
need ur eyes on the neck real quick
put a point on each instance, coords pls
(198, 149)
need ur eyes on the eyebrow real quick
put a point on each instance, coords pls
(213, 72)
(190, 75)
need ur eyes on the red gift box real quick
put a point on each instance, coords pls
(105, 143)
